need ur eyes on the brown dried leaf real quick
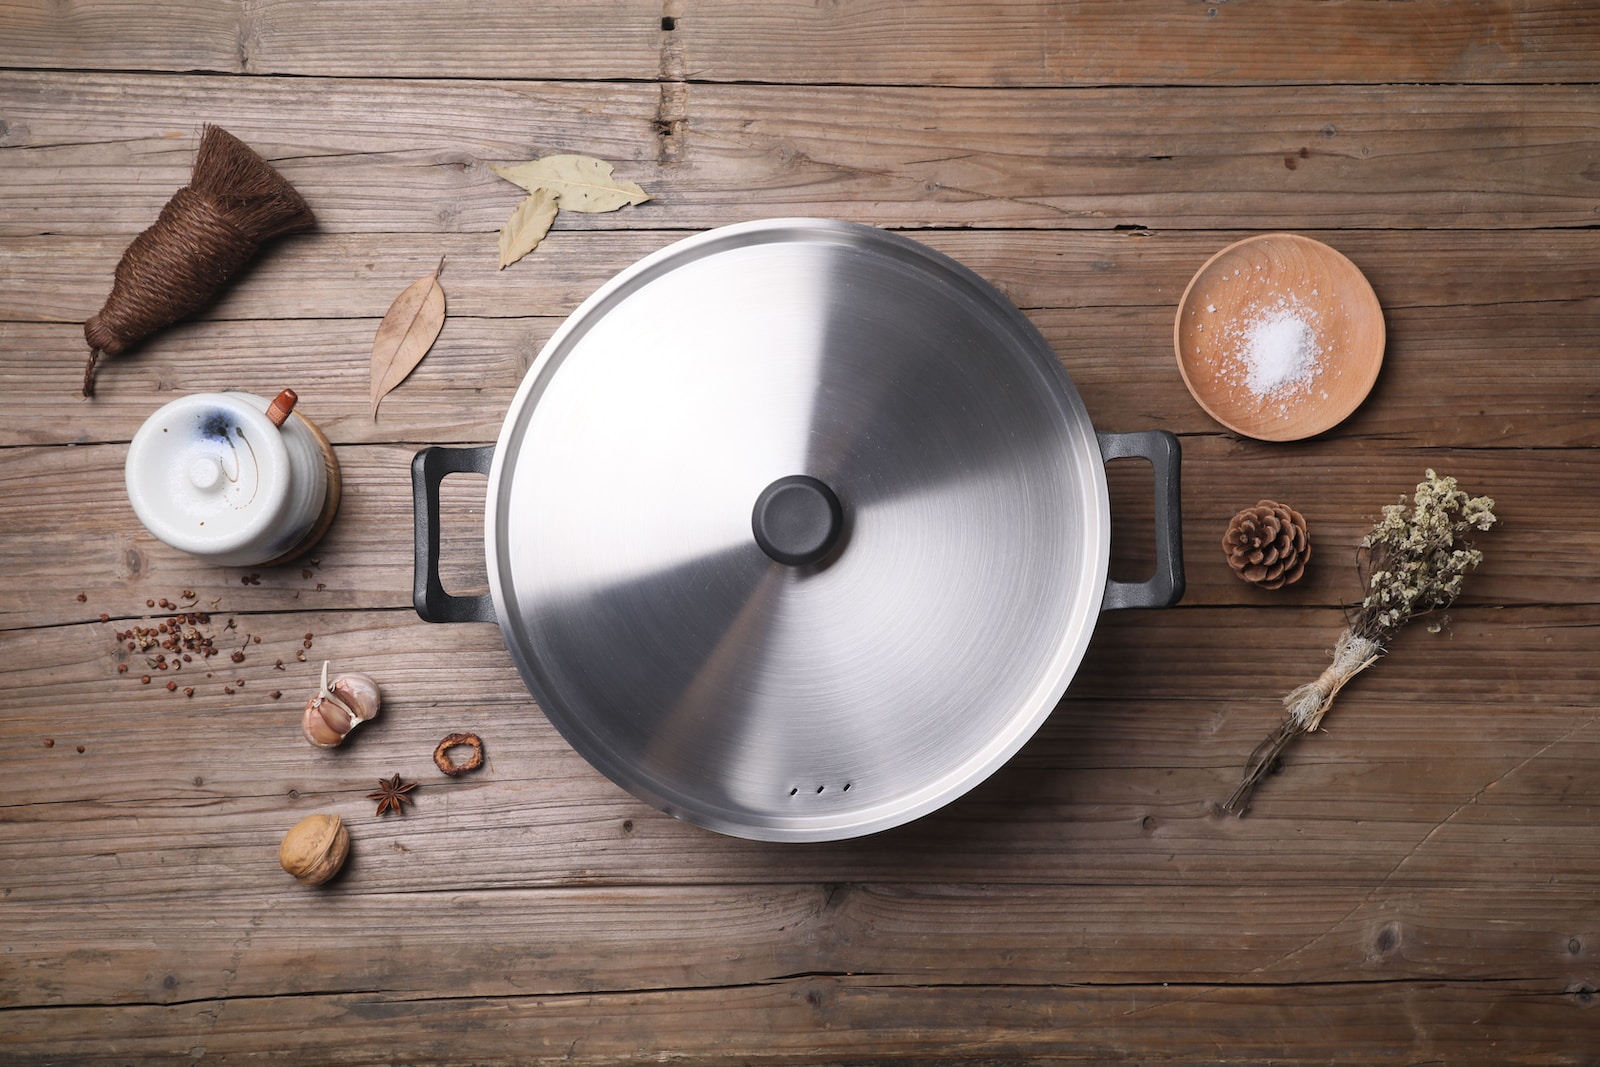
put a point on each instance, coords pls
(581, 183)
(406, 333)
(527, 226)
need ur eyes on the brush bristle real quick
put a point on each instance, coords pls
(248, 191)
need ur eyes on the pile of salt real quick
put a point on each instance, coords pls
(1280, 354)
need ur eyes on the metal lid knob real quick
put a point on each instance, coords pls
(797, 520)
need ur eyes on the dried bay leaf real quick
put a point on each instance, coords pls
(407, 331)
(527, 226)
(580, 183)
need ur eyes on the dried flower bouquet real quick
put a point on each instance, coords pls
(1412, 562)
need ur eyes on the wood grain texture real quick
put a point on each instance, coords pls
(826, 1018)
(1417, 885)
(947, 42)
(1372, 156)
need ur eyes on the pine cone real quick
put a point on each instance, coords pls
(1268, 545)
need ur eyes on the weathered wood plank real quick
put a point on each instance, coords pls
(849, 1019)
(1120, 787)
(1038, 43)
(1441, 369)
(612, 39)
(1017, 42)
(1445, 157)
(509, 943)
(1540, 554)
(1501, 376)
(65, 278)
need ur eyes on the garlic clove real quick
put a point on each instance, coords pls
(358, 694)
(339, 708)
(322, 721)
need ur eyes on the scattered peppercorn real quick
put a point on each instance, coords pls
(122, 668)
(172, 686)
(49, 742)
(83, 598)
(300, 654)
(149, 603)
(144, 679)
(237, 657)
(275, 694)
(80, 748)
(104, 617)
(188, 690)
(228, 689)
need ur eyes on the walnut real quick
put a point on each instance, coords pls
(315, 848)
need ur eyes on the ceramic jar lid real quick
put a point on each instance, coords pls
(214, 474)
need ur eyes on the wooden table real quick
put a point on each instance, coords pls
(1419, 884)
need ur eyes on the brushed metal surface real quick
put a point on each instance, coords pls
(825, 700)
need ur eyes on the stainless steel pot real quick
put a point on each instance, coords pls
(797, 529)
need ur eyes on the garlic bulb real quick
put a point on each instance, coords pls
(315, 848)
(351, 700)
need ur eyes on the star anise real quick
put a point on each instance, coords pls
(391, 795)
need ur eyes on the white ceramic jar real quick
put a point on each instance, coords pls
(232, 478)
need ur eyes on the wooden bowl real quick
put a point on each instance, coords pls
(1279, 337)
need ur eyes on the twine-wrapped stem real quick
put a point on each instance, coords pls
(1304, 706)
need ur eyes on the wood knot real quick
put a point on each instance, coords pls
(1387, 941)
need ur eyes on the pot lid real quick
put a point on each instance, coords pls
(797, 529)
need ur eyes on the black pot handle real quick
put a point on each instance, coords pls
(1165, 587)
(428, 469)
